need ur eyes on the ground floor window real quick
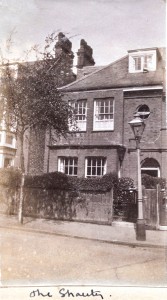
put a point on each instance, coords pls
(68, 165)
(151, 167)
(8, 162)
(95, 167)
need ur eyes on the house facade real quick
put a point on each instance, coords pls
(105, 99)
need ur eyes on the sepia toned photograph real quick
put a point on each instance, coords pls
(83, 149)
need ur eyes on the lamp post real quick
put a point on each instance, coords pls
(138, 127)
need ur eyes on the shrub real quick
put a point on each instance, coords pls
(122, 194)
(150, 182)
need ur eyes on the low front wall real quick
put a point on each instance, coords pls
(68, 205)
(59, 204)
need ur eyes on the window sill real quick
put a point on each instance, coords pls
(78, 131)
(103, 130)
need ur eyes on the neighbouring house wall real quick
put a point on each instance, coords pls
(8, 200)
(36, 151)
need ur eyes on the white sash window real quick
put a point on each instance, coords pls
(68, 165)
(80, 111)
(95, 167)
(103, 114)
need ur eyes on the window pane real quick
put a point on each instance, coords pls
(99, 171)
(137, 63)
(68, 165)
(75, 171)
(89, 171)
(93, 171)
(9, 139)
(70, 171)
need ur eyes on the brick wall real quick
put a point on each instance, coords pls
(151, 142)
(66, 205)
(91, 143)
(111, 154)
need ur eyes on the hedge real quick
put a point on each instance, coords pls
(58, 180)
(150, 182)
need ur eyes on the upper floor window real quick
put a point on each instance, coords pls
(95, 167)
(68, 165)
(8, 162)
(9, 139)
(103, 114)
(142, 61)
(80, 111)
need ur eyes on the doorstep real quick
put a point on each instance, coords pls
(123, 224)
(161, 227)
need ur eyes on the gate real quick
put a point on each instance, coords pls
(125, 206)
(155, 207)
(163, 208)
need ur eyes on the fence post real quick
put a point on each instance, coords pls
(157, 206)
(20, 214)
(111, 205)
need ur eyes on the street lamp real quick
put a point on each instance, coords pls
(138, 126)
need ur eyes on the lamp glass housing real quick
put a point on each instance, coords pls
(137, 126)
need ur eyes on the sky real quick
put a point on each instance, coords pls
(110, 27)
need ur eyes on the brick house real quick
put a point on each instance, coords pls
(105, 99)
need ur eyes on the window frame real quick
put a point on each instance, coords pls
(103, 167)
(144, 66)
(104, 124)
(63, 164)
(10, 162)
(151, 169)
(144, 115)
(9, 136)
(82, 123)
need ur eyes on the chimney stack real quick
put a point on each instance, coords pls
(85, 55)
(63, 45)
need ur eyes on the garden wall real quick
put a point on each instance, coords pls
(59, 204)
(68, 205)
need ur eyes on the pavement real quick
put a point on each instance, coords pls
(120, 233)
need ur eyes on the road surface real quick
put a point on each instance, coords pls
(33, 258)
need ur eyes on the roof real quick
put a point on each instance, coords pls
(116, 75)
